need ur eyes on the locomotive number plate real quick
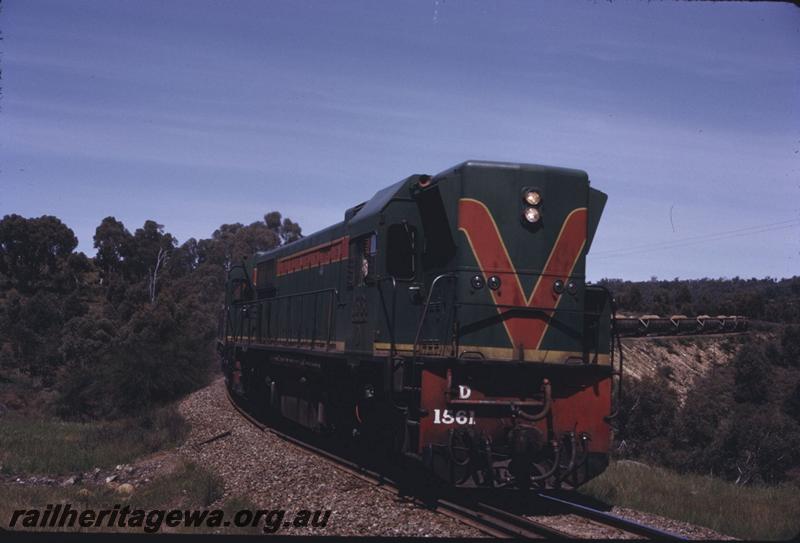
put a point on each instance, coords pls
(445, 416)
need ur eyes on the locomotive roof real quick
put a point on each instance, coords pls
(320, 236)
(376, 204)
(361, 218)
(511, 166)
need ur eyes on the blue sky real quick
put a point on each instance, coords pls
(197, 113)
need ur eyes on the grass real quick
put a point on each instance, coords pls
(191, 485)
(188, 487)
(33, 445)
(749, 512)
(240, 503)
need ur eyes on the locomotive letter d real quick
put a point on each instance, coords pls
(464, 392)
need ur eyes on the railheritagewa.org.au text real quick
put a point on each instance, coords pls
(60, 516)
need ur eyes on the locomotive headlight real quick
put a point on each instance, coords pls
(533, 197)
(532, 215)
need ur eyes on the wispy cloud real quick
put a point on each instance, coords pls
(310, 108)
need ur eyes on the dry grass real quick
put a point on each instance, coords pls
(189, 487)
(749, 512)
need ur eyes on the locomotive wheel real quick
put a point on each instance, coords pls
(460, 445)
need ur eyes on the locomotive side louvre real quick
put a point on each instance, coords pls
(437, 322)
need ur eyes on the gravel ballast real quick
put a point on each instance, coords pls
(272, 473)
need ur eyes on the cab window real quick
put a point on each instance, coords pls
(400, 251)
(369, 248)
(362, 260)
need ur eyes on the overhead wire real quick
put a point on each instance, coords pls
(678, 243)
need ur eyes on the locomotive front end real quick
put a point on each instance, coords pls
(446, 321)
(524, 397)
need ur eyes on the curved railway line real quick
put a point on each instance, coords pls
(487, 518)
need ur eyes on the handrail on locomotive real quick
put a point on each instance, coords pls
(245, 309)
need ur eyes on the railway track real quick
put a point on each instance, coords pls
(487, 518)
(609, 519)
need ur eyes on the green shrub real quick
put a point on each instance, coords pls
(752, 375)
(648, 412)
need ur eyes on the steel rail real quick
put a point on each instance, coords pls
(612, 520)
(517, 525)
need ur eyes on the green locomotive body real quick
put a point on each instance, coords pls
(446, 320)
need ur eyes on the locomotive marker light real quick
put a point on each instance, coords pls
(532, 215)
(572, 287)
(494, 282)
(533, 198)
(558, 286)
(477, 282)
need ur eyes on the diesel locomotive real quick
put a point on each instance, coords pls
(444, 322)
